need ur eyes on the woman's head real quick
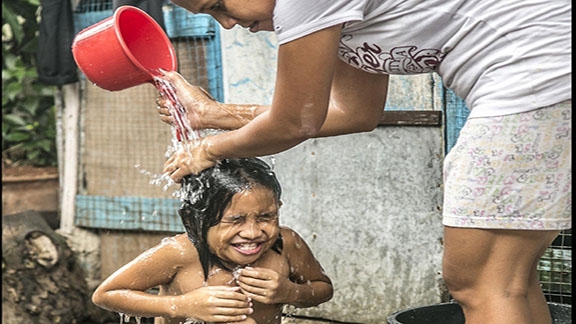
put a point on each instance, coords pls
(230, 211)
(256, 15)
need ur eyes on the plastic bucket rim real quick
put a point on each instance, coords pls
(126, 49)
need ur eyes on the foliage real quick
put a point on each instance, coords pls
(28, 110)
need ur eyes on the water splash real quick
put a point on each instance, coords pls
(187, 194)
(124, 318)
(235, 275)
(182, 127)
(182, 133)
(288, 314)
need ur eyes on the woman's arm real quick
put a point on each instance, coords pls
(300, 103)
(315, 95)
(299, 107)
(356, 103)
(203, 111)
(298, 110)
(357, 100)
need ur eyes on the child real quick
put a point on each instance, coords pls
(236, 263)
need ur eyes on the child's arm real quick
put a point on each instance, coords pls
(307, 286)
(125, 291)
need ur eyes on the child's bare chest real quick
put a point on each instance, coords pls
(191, 276)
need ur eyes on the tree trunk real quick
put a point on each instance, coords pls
(42, 282)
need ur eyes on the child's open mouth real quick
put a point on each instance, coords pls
(248, 248)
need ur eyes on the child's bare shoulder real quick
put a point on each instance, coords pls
(290, 237)
(177, 241)
(179, 244)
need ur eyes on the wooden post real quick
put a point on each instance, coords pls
(69, 168)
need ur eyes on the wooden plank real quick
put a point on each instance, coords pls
(411, 118)
(120, 247)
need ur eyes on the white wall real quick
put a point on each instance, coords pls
(249, 66)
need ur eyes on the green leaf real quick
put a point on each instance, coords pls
(17, 137)
(45, 144)
(13, 119)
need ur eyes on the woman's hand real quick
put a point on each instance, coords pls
(222, 304)
(163, 107)
(202, 110)
(200, 107)
(264, 285)
(192, 158)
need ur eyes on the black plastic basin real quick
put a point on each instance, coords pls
(451, 313)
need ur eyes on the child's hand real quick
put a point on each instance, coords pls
(264, 285)
(220, 304)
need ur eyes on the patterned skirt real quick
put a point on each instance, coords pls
(512, 172)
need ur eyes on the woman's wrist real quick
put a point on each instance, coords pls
(219, 115)
(207, 147)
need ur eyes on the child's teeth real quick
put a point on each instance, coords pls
(248, 246)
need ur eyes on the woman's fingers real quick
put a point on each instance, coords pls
(175, 169)
(189, 160)
(163, 110)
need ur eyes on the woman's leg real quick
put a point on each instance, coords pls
(492, 274)
(536, 300)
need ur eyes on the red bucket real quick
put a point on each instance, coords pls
(124, 50)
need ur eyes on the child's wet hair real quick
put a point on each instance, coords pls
(206, 197)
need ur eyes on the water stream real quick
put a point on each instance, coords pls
(182, 126)
(183, 134)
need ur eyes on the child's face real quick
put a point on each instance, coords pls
(249, 227)
(255, 15)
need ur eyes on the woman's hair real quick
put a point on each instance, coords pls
(206, 197)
